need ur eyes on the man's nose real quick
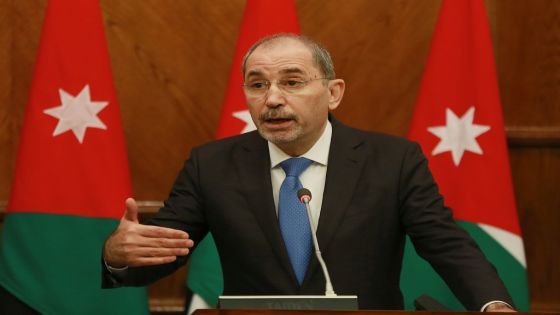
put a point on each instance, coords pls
(274, 97)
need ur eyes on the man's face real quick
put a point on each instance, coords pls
(293, 119)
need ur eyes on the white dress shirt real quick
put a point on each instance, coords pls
(313, 178)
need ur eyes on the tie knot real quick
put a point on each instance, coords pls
(295, 166)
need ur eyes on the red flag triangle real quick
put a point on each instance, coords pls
(71, 176)
(458, 123)
(72, 158)
(458, 119)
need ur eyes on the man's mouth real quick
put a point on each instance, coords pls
(278, 123)
(277, 120)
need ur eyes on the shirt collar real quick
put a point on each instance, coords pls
(319, 152)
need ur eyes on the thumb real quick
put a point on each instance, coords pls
(131, 213)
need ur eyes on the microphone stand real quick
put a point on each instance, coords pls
(329, 291)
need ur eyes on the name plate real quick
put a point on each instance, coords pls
(289, 302)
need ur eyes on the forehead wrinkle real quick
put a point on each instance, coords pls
(292, 70)
(281, 67)
(274, 60)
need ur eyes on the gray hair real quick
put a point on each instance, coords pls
(321, 56)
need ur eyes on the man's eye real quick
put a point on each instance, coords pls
(258, 85)
(293, 83)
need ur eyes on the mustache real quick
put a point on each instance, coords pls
(276, 113)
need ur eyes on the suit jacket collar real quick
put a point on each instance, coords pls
(253, 162)
(344, 167)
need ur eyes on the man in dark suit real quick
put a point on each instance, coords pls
(369, 191)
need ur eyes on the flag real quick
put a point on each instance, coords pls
(71, 177)
(260, 18)
(458, 123)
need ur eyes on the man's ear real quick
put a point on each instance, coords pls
(336, 91)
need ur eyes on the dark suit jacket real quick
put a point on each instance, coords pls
(378, 188)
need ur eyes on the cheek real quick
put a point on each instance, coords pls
(254, 110)
(313, 115)
(317, 107)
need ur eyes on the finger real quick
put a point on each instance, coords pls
(153, 256)
(165, 243)
(146, 252)
(150, 261)
(131, 213)
(161, 232)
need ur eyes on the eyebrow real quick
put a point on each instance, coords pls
(285, 71)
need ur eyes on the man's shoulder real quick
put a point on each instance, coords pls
(247, 140)
(371, 138)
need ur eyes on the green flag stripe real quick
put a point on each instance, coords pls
(52, 263)
(207, 280)
(509, 268)
(417, 271)
(509, 241)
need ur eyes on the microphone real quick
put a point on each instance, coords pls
(304, 195)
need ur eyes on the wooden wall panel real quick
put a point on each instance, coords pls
(379, 48)
(20, 33)
(526, 40)
(536, 180)
(170, 65)
(171, 61)
(7, 137)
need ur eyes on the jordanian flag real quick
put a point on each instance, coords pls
(261, 18)
(71, 176)
(458, 122)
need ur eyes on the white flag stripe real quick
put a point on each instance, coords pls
(197, 303)
(511, 242)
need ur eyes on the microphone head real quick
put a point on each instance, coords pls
(304, 195)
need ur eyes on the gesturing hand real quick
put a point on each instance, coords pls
(134, 244)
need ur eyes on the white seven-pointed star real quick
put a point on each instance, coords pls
(245, 116)
(458, 135)
(76, 113)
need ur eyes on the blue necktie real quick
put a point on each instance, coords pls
(292, 215)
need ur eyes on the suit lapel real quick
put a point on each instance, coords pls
(343, 171)
(253, 162)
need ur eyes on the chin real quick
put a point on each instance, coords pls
(279, 138)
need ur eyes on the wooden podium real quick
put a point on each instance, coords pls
(316, 312)
(302, 312)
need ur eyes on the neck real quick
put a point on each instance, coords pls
(294, 149)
